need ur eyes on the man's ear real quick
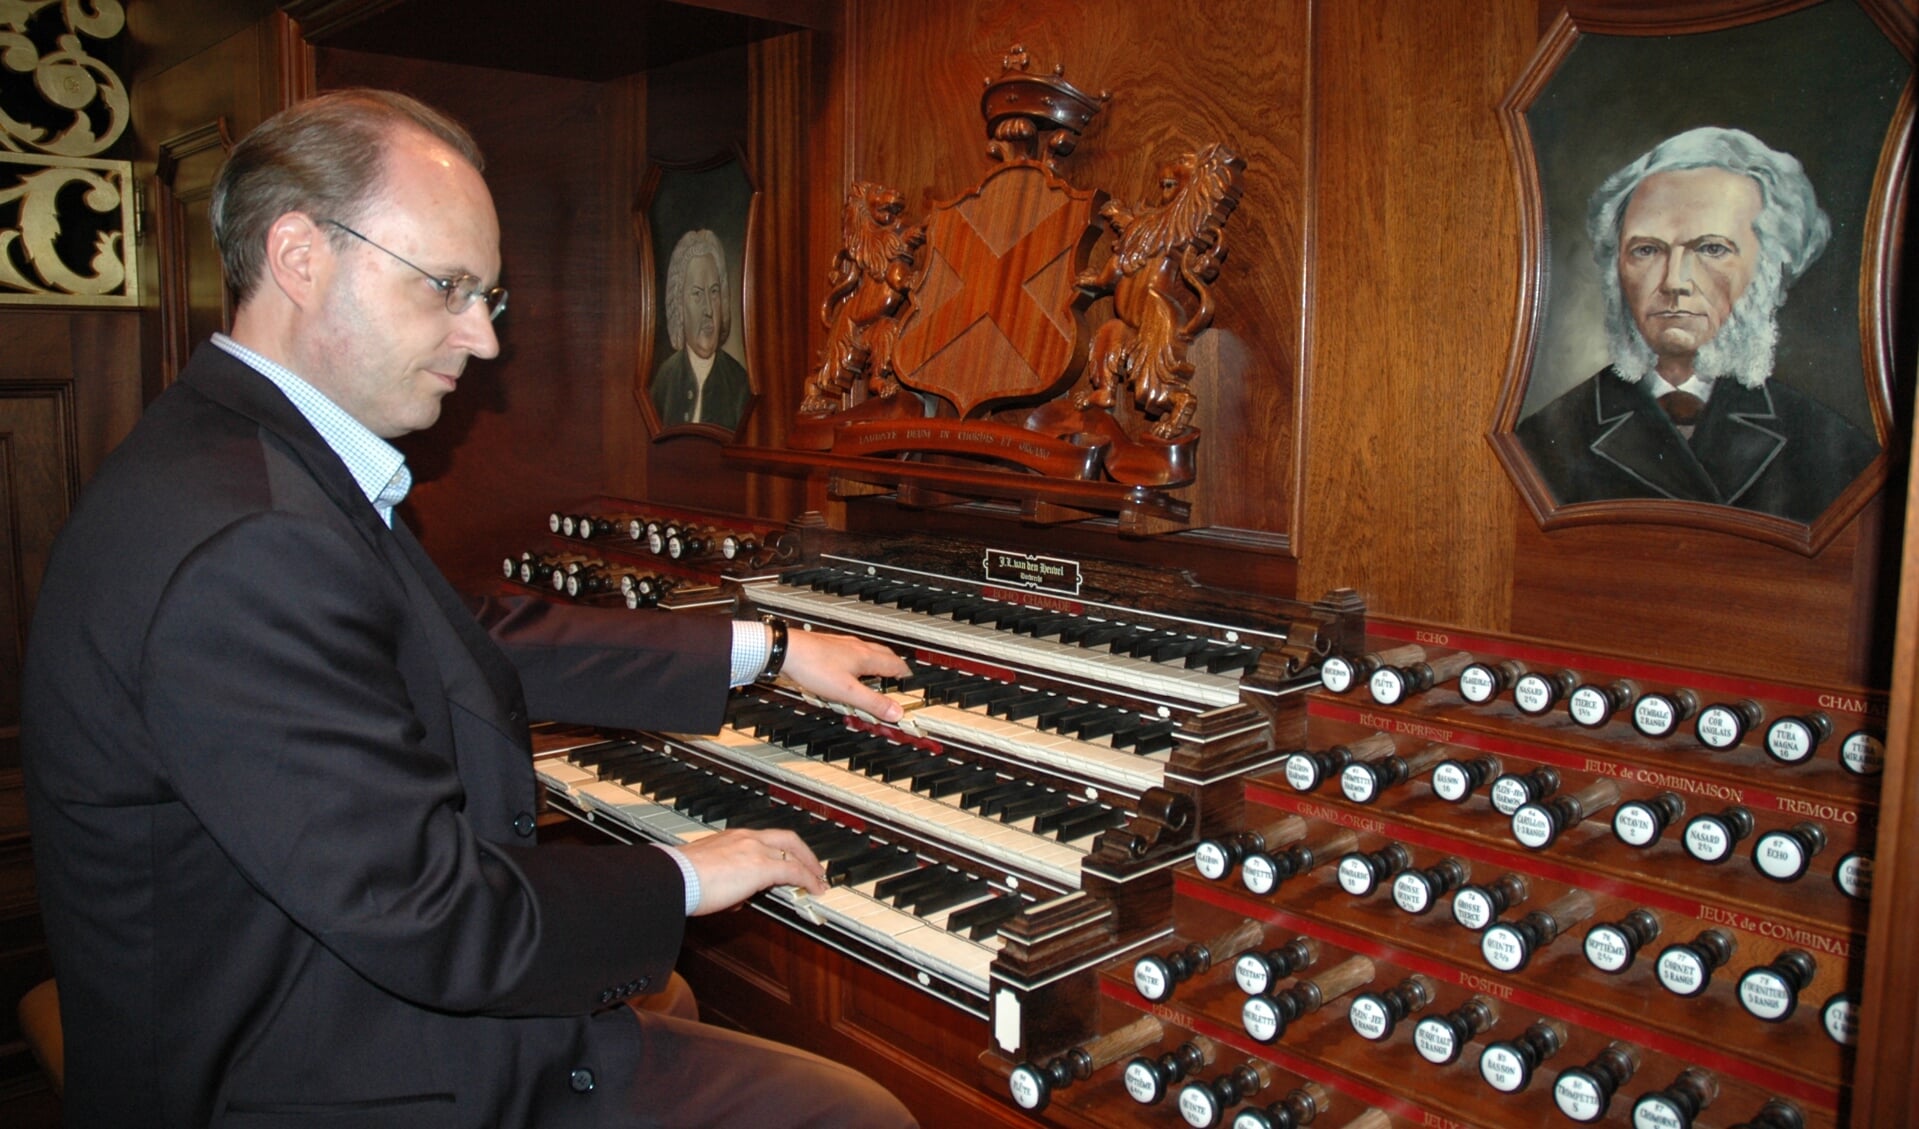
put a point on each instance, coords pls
(299, 257)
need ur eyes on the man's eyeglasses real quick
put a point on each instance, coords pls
(460, 290)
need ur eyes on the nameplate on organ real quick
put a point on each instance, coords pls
(1069, 734)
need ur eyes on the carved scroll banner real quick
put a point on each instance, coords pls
(958, 349)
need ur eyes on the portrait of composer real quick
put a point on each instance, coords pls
(699, 382)
(1697, 242)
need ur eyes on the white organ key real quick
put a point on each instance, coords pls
(562, 775)
(1120, 769)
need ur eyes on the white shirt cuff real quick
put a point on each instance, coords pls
(692, 877)
(752, 644)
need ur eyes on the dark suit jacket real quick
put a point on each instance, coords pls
(1773, 448)
(676, 393)
(282, 800)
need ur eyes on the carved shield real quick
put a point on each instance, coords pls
(994, 313)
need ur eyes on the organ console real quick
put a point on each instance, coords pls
(1092, 803)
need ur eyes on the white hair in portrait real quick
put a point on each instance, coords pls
(1792, 231)
(693, 244)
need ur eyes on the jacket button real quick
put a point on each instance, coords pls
(523, 824)
(581, 1080)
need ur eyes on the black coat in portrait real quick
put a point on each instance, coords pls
(1772, 449)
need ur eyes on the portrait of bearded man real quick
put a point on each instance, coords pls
(699, 382)
(1697, 242)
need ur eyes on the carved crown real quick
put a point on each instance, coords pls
(1025, 112)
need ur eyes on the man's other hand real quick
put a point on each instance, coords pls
(735, 865)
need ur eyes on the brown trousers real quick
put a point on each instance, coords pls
(700, 1075)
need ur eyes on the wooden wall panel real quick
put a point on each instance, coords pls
(69, 390)
(1414, 278)
(38, 481)
(1235, 72)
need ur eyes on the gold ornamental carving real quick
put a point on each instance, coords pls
(66, 216)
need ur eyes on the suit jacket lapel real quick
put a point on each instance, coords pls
(1738, 437)
(1639, 438)
(474, 671)
(500, 689)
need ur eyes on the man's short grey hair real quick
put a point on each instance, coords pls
(326, 157)
(694, 243)
(1793, 231)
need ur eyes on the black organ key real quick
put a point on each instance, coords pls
(716, 804)
(966, 889)
(983, 919)
(1044, 626)
(941, 779)
(887, 761)
(875, 864)
(988, 800)
(987, 693)
(1049, 715)
(1237, 658)
(905, 882)
(908, 767)
(1077, 821)
(1153, 737)
(1105, 634)
(944, 603)
(1041, 801)
(1030, 705)
(976, 611)
(1076, 632)
(843, 746)
(595, 754)
(1177, 647)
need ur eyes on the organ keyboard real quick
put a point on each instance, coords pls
(1067, 736)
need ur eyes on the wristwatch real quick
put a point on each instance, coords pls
(776, 647)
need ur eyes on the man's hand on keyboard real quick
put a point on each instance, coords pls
(831, 666)
(735, 865)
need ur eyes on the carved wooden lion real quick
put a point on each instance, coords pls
(1164, 260)
(865, 289)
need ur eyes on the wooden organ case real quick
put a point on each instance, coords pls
(1127, 953)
